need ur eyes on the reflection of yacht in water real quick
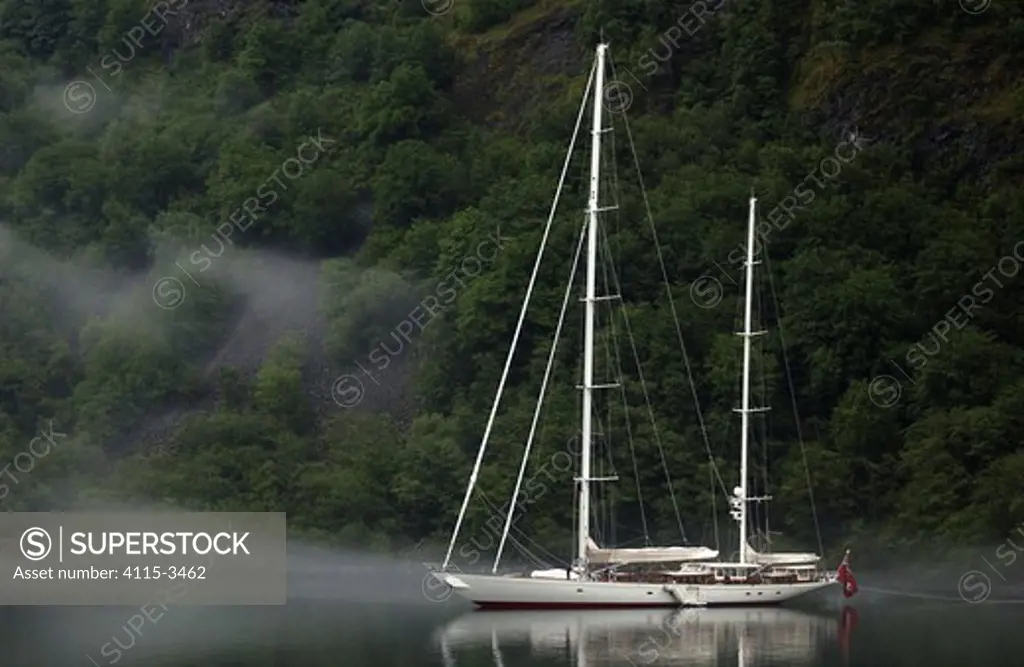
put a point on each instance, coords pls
(694, 636)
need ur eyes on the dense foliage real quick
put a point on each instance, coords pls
(434, 130)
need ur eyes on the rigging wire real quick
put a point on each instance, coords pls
(540, 396)
(583, 177)
(792, 395)
(714, 510)
(672, 305)
(629, 424)
(607, 492)
(610, 177)
(491, 506)
(762, 507)
(927, 596)
(615, 344)
(650, 409)
(519, 328)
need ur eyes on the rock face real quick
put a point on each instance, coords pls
(953, 105)
(193, 15)
(528, 64)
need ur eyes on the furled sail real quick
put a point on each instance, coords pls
(781, 557)
(598, 556)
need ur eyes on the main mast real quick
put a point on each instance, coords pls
(583, 529)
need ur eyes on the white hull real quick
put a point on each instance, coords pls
(498, 592)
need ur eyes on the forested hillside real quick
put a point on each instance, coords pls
(216, 218)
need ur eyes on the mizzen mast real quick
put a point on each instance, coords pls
(740, 500)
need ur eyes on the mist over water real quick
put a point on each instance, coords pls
(331, 593)
(321, 574)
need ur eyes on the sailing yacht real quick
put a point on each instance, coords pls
(665, 576)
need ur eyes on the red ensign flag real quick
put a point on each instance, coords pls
(845, 577)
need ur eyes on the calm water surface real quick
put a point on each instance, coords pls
(356, 631)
